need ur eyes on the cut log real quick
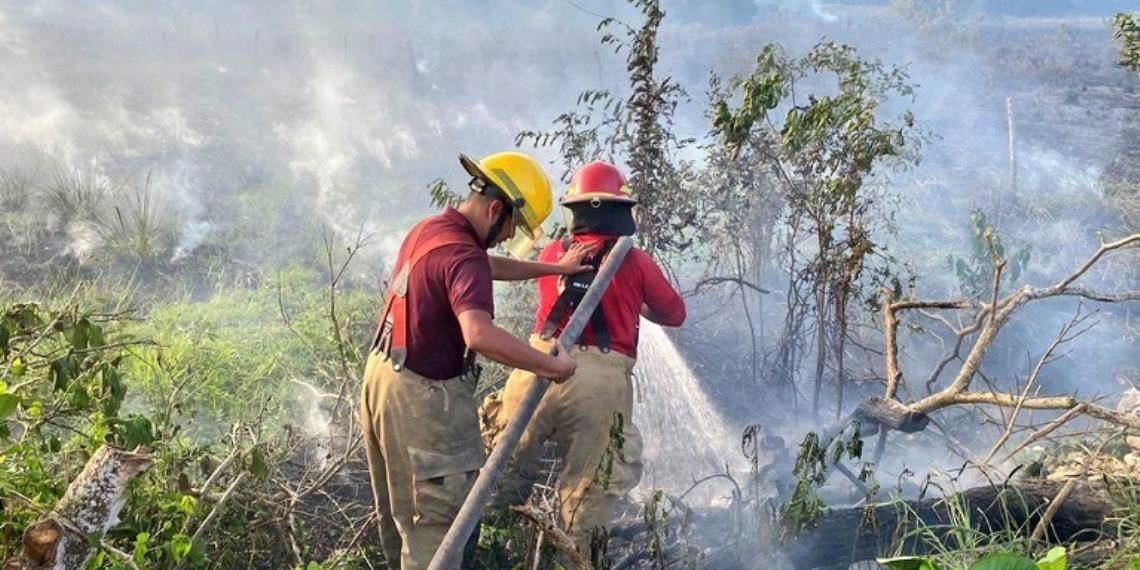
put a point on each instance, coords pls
(877, 411)
(91, 504)
(846, 536)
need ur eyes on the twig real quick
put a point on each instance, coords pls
(960, 337)
(1054, 506)
(1061, 338)
(853, 478)
(558, 537)
(210, 518)
(335, 276)
(1104, 248)
(220, 469)
(1063, 494)
(696, 483)
(334, 560)
(712, 281)
(952, 443)
(1039, 434)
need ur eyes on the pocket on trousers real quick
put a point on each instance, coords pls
(440, 483)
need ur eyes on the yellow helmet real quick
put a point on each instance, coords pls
(523, 181)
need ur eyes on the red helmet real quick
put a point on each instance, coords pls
(600, 181)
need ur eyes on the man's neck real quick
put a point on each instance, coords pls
(468, 210)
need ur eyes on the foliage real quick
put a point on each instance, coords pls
(823, 152)
(227, 396)
(62, 392)
(803, 508)
(636, 129)
(613, 451)
(976, 272)
(247, 347)
(1055, 559)
(442, 195)
(1126, 30)
(657, 519)
(651, 104)
(15, 190)
(108, 220)
(808, 170)
(960, 539)
(255, 371)
(1126, 520)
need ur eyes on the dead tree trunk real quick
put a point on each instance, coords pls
(58, 539)
(846, 536)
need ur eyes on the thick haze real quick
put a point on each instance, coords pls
(340, 113)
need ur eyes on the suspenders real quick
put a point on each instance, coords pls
(392, 331)
(574, 287)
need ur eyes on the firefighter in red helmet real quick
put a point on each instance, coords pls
(585, 414)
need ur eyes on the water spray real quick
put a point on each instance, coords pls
(450, 551)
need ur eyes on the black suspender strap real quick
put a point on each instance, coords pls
(574, 287)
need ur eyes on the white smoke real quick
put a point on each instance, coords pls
(191, 236)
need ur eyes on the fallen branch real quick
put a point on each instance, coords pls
(1054, 506)
(1062, 337)
(846, 536)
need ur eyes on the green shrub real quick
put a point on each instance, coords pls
(247, 350)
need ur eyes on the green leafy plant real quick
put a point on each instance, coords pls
(442, 195)
(1055, 559)
(824, 151)
(976, 273)
(814, 461)
(1126, 31)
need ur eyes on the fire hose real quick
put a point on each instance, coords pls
(450, 551)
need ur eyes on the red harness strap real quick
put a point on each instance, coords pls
(392, 331)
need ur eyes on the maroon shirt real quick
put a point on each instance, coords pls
(446, 282)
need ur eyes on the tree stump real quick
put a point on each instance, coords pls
(91, 504)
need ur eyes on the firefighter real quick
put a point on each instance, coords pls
(589, 416)
(418, 408)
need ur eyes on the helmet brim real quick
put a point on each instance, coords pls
(472, 167)
(601, 196)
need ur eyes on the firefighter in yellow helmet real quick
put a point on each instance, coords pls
(417, 406)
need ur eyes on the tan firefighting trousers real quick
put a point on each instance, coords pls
(424, 452)
(589, 418)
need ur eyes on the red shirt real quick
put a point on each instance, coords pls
(446, 282)
(639, 280)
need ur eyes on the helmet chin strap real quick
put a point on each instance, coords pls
(498, 225)
(489, 190)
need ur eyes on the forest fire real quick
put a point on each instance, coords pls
(873, 302)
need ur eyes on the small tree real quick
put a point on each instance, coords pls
(637, 128)
(822, 151)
